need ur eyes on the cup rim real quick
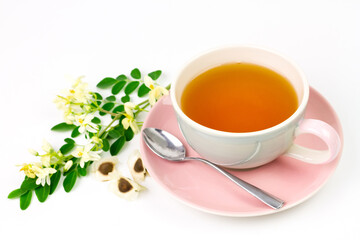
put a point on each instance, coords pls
(210, 131)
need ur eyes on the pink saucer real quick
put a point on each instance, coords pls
(200, 186)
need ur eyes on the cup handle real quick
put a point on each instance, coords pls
(322, 130)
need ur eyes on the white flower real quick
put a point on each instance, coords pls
(84, 121)
(85, 154)
(33, 170)
(136, 167)
(68, 165)
(130, 122)
(129, 106)
(43, 175)
(47, 147)
(46, 158)
(30, 169)
(155, 92)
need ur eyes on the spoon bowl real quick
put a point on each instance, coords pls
(169, 147)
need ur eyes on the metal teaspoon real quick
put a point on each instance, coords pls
(167, 146)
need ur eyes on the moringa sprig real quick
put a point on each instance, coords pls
(106, 123)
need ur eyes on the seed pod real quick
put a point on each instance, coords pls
(125, 187)
(105, 169)
(136, 166)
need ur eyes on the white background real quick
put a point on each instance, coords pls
(42, 42)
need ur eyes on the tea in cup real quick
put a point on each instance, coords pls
(243, 106)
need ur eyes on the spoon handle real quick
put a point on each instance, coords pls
(263, 196)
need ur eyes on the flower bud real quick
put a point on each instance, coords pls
(33, 152)
(68, 165)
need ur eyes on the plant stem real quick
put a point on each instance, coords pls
(105, 111)
(117, 116)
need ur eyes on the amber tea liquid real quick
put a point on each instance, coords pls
(239, 97)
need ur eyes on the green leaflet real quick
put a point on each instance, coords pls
(121, 77)
(111, 98)
(143, 90)
(135, 73)
(54, 181)
(117, 87)
(155, 74)
(25, 200)
(114, 133)
(42, 192)
(66, 148)
(28, 184)
(69, 181)
(125, 99)
(61, 127)
(131, 87)
(117, 145)
(75, 132)
(106, 145)
(16, 193)
(82, 171)
(106, 83)
(129, 134)
(69, 140)
(119, 109)
(96, 120)
(107, 106)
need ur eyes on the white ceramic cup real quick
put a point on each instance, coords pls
(253, 149)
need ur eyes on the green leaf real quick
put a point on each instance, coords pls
(69, 181)
(82, 171)
(54, 180)
(129, 134)
(125, 99)
(75, 132)
(117, 87)
(98, 96)
(143, 90)
(135, 73)
(131, 87)
(42, 192)
(114, 133)
(69, 140)
(106, 83)
(16, 193)
(111, 98)
(61, 127)
(66, 148)
(117, 145)
(119, 109)
(119, 128)
(25, 200)
(108, 106)
(96, 120)
(121, 77)
(106, 145)
(73, 168)
(28, 184)
(155, 74)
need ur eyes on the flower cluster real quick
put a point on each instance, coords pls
(75, 101)
(85, 115)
